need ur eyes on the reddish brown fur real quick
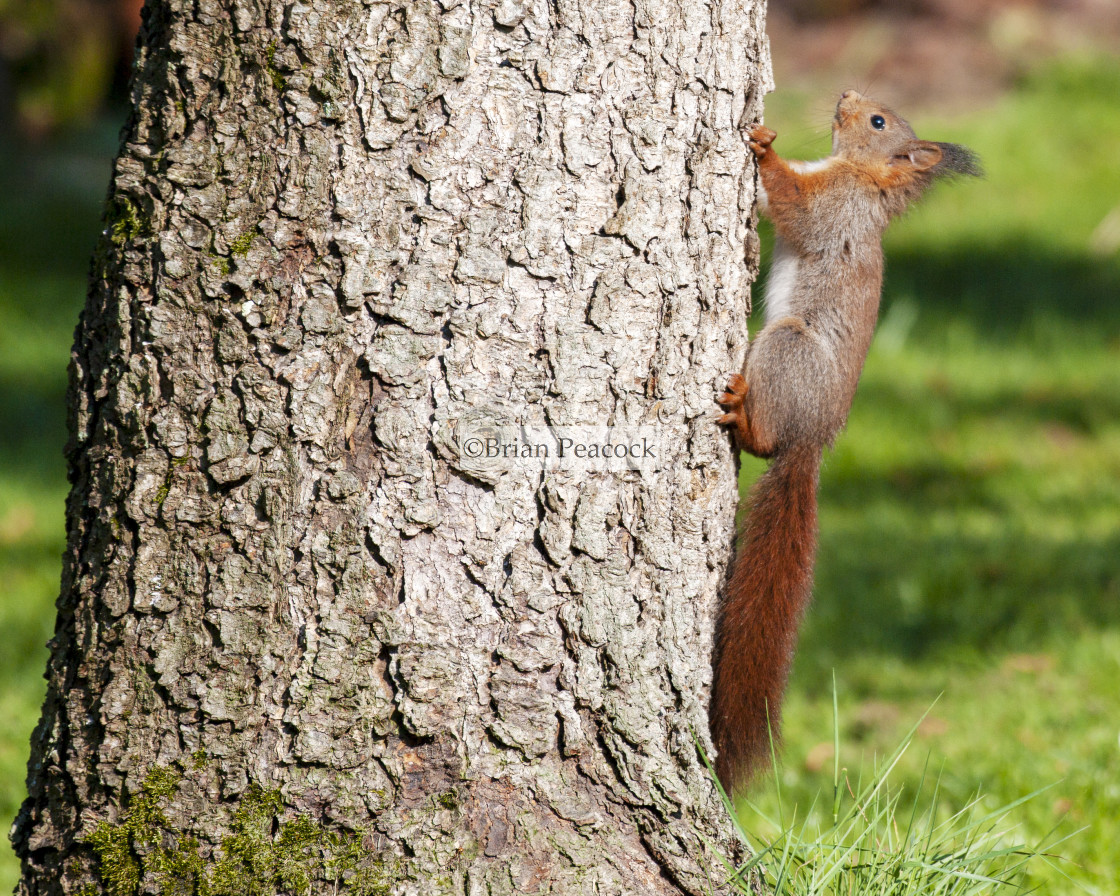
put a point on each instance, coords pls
(756, 634)
(797, 387)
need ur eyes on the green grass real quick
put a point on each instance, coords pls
(970, 514)
(868, 836)
(970, 520)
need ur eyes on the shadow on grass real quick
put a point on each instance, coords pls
(1012, 291)
(51, 201)
(886, 589)
(50, 212)
(32, 418)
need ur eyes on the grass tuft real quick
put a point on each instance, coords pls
(873, 839)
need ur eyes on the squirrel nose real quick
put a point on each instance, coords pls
(849, 95)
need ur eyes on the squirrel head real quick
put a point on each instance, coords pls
(867, 132)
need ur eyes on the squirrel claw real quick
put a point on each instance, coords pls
(759, 139)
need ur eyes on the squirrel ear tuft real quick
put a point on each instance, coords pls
(957, 159)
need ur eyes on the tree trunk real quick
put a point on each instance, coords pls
(304, 643)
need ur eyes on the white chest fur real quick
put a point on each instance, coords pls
(781, 282)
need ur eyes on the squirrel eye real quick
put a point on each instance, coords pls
(878, 122)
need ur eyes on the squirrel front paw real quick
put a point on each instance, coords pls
(759, 139)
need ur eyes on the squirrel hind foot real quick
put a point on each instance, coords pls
(747, 437)
(733, 402)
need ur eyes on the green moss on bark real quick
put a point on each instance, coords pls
(279, 82)
(118, 845)
(261, 856)
(239, 248)
(124, 221)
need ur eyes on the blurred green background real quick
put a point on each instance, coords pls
(970, 514)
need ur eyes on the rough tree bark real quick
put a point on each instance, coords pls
(302, 644)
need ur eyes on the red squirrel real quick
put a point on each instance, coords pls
(796, 389)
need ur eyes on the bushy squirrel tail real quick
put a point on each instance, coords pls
(766, 596)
